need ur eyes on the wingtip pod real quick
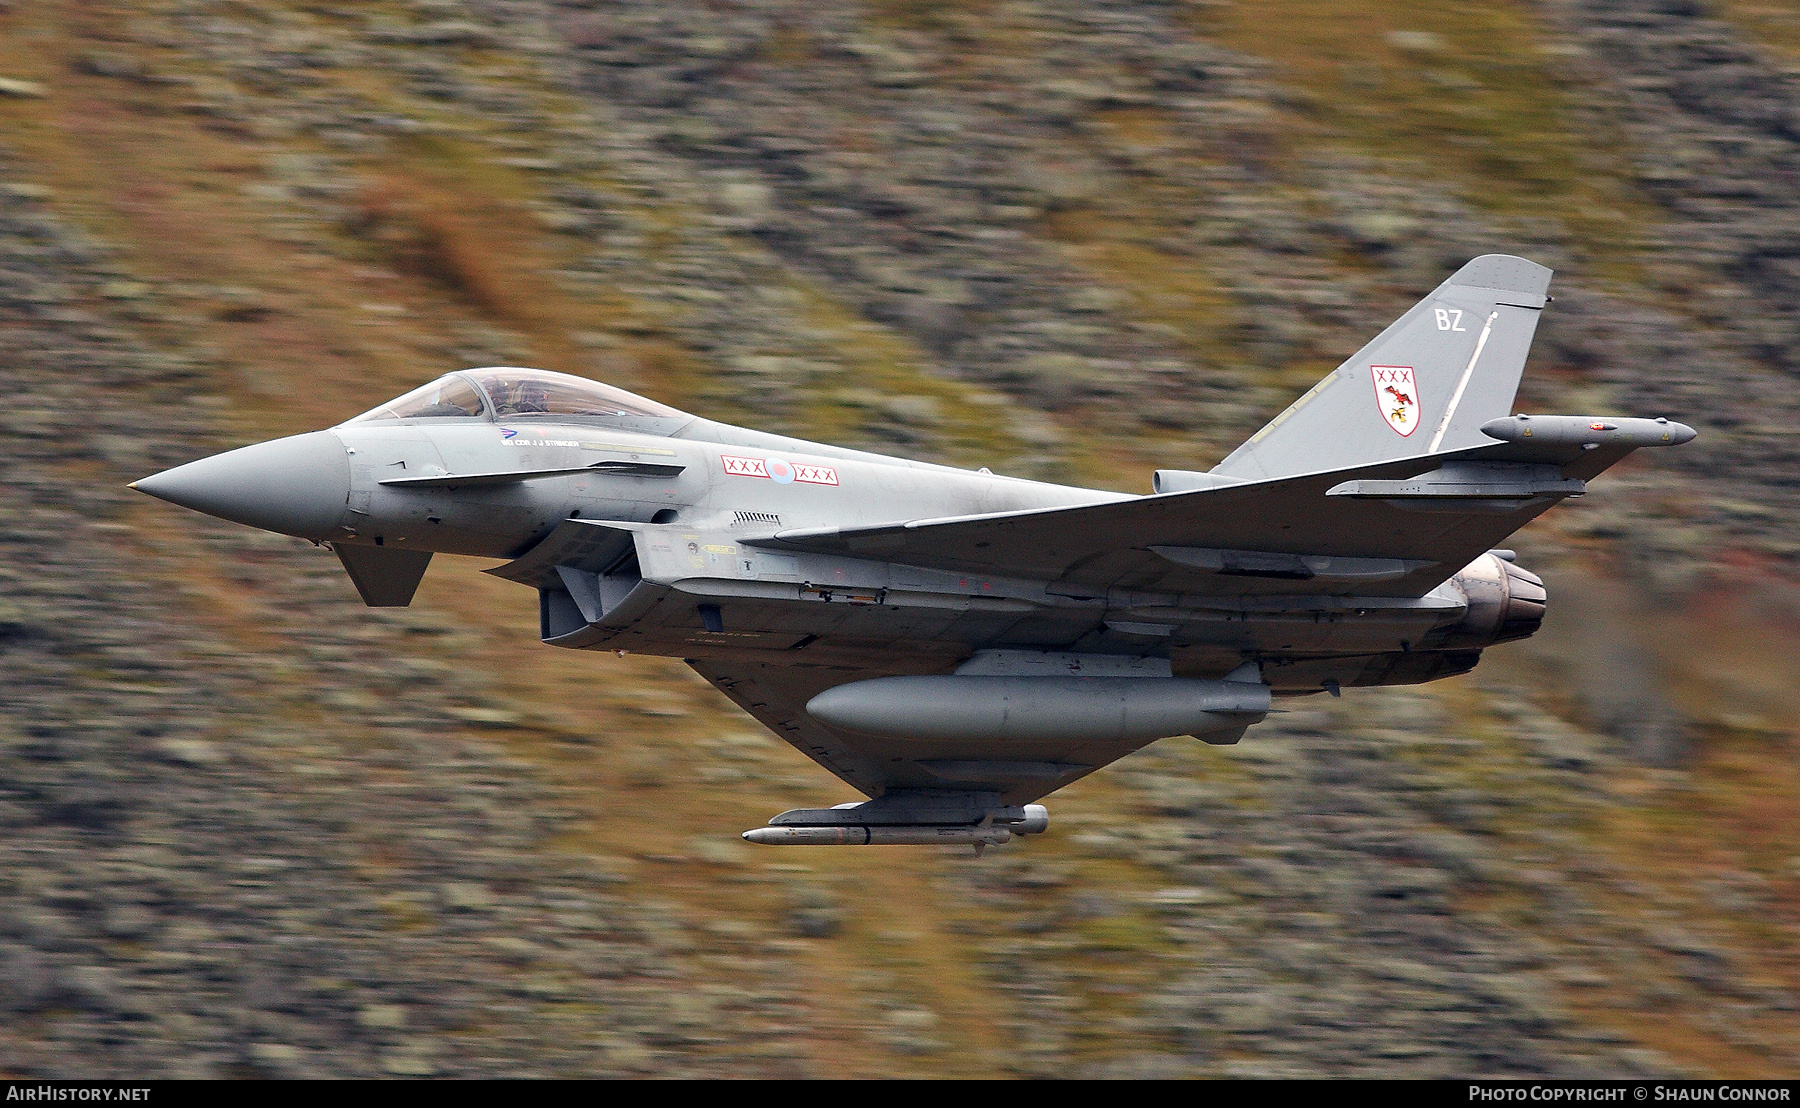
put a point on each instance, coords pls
(1563, 430)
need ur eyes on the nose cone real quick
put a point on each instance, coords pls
(297, 486)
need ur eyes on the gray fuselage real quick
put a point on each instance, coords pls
(707, 497)
(736, 487)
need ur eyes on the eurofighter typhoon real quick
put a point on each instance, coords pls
(956, 644)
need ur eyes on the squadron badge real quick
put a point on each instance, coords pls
(1397, 395)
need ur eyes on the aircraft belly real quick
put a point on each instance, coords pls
(677, 626)
(748, 601)
(778, 616)
(1349, 634)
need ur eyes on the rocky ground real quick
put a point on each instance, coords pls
(251, 827)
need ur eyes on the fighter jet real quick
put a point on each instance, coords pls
(957, 645)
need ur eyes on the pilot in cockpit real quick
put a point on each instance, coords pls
(518, 392)
(530, 396)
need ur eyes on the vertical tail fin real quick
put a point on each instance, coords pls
(1424, 385)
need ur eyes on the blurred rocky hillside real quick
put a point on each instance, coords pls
(249, 827)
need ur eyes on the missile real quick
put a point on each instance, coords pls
(979, 835)
(956, 835)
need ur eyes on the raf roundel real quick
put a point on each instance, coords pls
(780, 471)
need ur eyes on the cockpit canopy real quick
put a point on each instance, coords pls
(507, 393)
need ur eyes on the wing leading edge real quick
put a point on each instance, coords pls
(1395, 528)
